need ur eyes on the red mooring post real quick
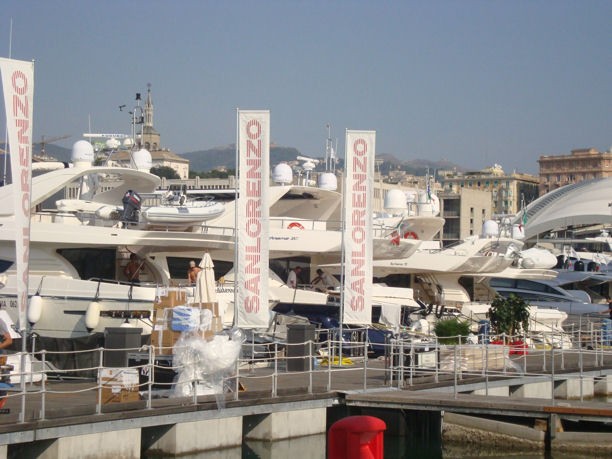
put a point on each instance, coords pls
(356, 437)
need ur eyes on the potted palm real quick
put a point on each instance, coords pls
(509, 316)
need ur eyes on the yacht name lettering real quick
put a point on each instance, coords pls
(359, 199)
(8, 303)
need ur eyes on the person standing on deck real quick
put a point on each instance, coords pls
(292, 279)
(192, 272)
(132, 269)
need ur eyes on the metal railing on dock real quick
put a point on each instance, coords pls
(268, 369)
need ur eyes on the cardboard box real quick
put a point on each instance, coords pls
(175, 297)
(119, 385)
(212, 307)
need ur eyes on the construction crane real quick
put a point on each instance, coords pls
(44, 141)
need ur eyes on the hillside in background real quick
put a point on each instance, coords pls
(206, 160)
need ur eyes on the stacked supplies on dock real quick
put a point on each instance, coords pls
(170, 323)
(473, 358)
(119, 385)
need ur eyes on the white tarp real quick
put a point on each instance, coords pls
(253, 219)
(18, 88)
(358, 197)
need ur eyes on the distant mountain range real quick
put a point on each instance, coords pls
(224, 156)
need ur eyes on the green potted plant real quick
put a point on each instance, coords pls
(509, 316)
(452, 331)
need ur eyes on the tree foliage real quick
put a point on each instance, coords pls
(165, 172)
(509, 315)
(448, 331)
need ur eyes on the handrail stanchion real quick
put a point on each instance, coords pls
(365, 363)
(310, 366)
(400, 380)
(412, 360)
(525, 351)
(437, 344)
(99, 405)
(544, 356)
(486, 368)
(455, 372)
(275, 373)
(562, 353)
(151, 365)
(43, 386)
(330, 358)
(552, 374)
(580, 368)
(237, 373)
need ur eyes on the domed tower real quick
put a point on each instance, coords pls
(150, 137)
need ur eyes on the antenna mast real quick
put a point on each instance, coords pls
(6, 127)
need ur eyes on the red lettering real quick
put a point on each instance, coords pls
(253, 188)
(254, 170)
(253, 208)
(252, 265)
(357, 265)
(358, 217)
(19, 82)
(251, 304)
(253, 129)
(359, 199)
(253, 149)
(360, 147)
(359, 182)
(357, 303)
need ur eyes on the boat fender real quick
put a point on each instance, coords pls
(35, 309)
(410, 235)
(295, 225)
(92, 315)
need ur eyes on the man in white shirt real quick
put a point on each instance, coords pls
(292, 279)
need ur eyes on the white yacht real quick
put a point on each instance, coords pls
(87, 220)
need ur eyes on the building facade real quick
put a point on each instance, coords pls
(509, 192)
(581, 164)
(464, 211)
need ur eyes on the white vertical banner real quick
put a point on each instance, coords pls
(18, 88)
(358, 197)
(253, 219)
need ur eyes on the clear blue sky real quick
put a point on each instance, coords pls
(475, 82)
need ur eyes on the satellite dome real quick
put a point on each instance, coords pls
(395, 200)
(490, 228)
(82, 153)
(142, 160)
(282, 174)
(128, 142)
(328, 181)
(112, 143)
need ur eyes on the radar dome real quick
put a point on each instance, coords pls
(112, 143)
(490, 228)
(328, 181)
(142, 160)
(128, 142)
(395, 200)
(82, 153)
(282, 174)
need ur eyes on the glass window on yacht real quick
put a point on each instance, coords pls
(92, 263)
(530, 285)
